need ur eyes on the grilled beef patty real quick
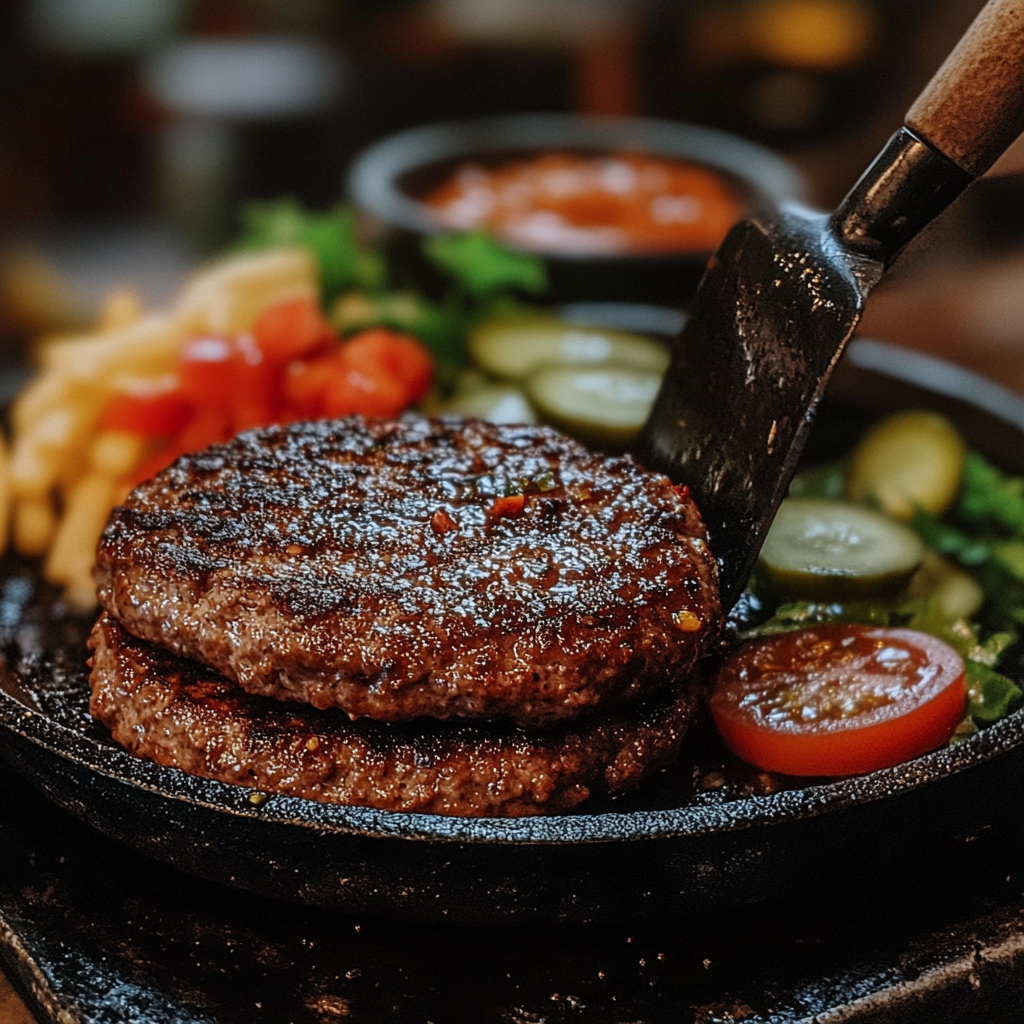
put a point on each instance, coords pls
(176, 712)
(440, 568)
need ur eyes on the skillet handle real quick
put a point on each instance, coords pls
(973, 107)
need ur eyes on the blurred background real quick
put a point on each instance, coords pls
(131, 131)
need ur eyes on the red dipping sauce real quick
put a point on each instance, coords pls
(584, 203)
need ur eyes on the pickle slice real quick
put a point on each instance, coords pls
(512, 347)
(833, 550)
(497, 403)
(906, 460)
(604, 406)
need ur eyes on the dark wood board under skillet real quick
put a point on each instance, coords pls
(93, 933)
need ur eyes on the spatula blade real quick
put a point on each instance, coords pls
(777, 304)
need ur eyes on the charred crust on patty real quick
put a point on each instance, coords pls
(305, 563)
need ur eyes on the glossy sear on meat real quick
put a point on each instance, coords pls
(176, 712)
(399, 569)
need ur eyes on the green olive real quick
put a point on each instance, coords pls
(600, 405)
(514, 346)
(911, 459)
(832, 550)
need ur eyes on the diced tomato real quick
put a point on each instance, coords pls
(232, 374)
(150, 408)
(211, 425)
(305, 382)
(152, 464)
(205, 369)
(399, 355)
(839, 699)
(291, 329)
(254, 380)
(256, 386)
(365, 390)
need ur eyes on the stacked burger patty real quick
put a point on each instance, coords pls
(442, 616)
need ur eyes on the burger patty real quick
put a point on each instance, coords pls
(179, 713)
(399, 569)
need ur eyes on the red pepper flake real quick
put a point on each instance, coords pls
(510, 506)
(683, 490)
(441, 522)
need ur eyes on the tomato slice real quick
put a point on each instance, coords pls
(839, 699)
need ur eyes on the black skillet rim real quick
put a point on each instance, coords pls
(673, 823)
(940, 377)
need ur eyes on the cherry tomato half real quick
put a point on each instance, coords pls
(839, 699)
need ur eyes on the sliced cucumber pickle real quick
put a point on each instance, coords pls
(498, 403)
(907, 460)
(512, 347)
(833, 550)
(604, 406)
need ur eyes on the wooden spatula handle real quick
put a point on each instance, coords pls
(974, 106)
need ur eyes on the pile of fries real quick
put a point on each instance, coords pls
(65, 472)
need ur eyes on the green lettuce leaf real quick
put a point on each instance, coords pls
(990, 497)
(344, 262)
(991, 695)
(481, 267)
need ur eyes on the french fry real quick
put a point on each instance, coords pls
(61, 452)
(32, 471)
(80, 593)
(228, 297)
(50, 451)
(115, 453)
(43, 394)
(146, 346)
(121, 307)
(74, 545)
(34, 523)
(5, 494)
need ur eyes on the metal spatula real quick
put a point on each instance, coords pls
(785, 291)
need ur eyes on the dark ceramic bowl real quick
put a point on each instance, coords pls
(387, 180)
(661, 851)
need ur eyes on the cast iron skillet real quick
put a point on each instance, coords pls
(663, 851)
